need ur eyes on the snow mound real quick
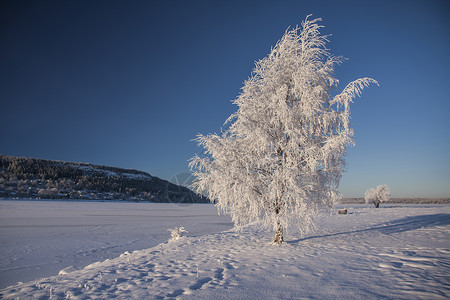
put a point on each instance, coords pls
(67, 270)
(126, 253)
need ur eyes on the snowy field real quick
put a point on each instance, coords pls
(394, 252)
(39, 238)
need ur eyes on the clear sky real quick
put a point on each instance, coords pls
(131, 83)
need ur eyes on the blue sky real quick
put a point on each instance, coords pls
(131, 83)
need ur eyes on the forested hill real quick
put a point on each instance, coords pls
(22, 177)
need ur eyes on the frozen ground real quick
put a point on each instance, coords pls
(39, 238)
(394, 252)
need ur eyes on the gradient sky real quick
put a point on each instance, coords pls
(131, 83)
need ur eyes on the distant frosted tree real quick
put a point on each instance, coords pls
(377, 195)
(280, 157)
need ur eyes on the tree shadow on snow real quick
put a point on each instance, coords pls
(396, 226)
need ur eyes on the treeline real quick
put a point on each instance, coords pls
(38, 178)
(399, 201)
(50, 169)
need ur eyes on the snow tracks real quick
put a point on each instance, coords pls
(385, 253)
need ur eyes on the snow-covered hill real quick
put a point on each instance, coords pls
(22, 177)
(394, 252)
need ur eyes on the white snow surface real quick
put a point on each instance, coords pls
(393, 252)
(40, 238)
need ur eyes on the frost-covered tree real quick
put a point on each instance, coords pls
(377, 195)
(280, 157)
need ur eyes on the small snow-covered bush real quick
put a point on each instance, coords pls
(377, 195)
(176, 233)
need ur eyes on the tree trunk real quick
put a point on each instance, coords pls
(278, 235)
(377, 204)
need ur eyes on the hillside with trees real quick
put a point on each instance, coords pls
(32, 178)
